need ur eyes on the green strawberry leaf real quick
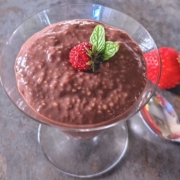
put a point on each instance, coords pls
(110, 50)
(89, 63)
(97, 38)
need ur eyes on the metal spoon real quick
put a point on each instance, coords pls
(161, 118)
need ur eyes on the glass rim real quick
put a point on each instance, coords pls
(79, 128)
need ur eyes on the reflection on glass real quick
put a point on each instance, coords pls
(96, 12)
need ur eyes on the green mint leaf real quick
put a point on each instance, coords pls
(110, 50)
(97, 38)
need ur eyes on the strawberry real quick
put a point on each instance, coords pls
(79, 57)
(84, 56)
(170, 75)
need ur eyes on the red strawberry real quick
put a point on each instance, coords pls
(79, 57)
(170, 75)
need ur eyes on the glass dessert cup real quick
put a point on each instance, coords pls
(78, 150)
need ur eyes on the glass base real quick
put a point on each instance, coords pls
(84, 158)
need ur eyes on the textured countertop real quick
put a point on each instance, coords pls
(148, 157)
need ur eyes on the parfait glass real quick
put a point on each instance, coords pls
(78, 150)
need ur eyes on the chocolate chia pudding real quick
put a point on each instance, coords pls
(56, 90)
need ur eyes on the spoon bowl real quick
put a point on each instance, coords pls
(161, 118)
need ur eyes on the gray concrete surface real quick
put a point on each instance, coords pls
(147, 157)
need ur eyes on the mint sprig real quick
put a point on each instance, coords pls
(101, 50)
(106, 48)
